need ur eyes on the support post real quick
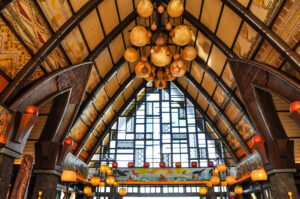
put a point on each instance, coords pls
(6, 167)
(46, 182)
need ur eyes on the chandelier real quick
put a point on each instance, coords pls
(157, 62)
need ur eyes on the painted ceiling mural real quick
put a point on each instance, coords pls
(35, 22)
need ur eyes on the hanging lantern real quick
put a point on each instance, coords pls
(68, 141)
(146, 164)
(215, 180)
(109, 172)
(145, 8)
(104, 168)
(295, 106)
(115, 164)
(131, 55)
(160, 73)
(230, 180)
(130, 164)
(169, 26)
(178, 68)
(31, 110)
(209, 184)
(139, 36)
(215, 171)
(189, 53)
(210, 163)
(194, 164)
(202, 190)
(238, 190)
(256, 139)
(175, 8)
(259, 175)
(181, 35)
(142, 69)
(160, 9)
(178, 164)
(160, 84)
(122, 191)
(95, 180)
(87, 190)
(221, 168)
(101, 184)
(161, 56)
(116, 184)
(223, 183)
(110, 180)
(68, 176)
(162, 164)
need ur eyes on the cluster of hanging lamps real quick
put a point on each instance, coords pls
(161, 65)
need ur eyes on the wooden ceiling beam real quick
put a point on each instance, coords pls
(100, 115)
(276, 42)
(238, 103)
(209, 121)
(108, 127)
(4, 3)
(220, 112)
(18, 82)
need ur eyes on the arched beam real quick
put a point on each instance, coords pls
(100, 139)
(220, 113)
(101, 114)
(209, 121)
(225, 88)
(276, 42)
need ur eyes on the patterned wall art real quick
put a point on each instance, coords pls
(5, 123)
(249, 164)
(74, 164)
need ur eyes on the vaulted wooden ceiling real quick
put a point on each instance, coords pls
(40, 36)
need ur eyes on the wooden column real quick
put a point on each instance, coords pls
(6, 167)
(47, 183)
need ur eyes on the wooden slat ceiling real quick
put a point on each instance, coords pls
(102, 37)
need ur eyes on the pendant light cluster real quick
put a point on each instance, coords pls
(161, 66)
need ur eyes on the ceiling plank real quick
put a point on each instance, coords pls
(209, 121)
(101, 114)
(108, 127)
(276, 42)
(12, 89)
(220, 112)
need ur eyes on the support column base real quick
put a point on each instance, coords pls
(6, 168)
(47, 183)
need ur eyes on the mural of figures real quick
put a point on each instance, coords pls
(5, 122)
(251, 163)
(73, 163)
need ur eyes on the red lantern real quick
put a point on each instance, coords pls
(232, 197)
(114, 164)
(68, 141)
(210, 164)
(146, 164)
(178, 164)
(130, 164)
(32, 110)
(256, 139)
(162, 164)
(194, 164)
(295, 106)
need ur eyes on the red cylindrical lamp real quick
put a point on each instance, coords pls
(194, 164)
(130, 164)
(114, 164)
(31, 110)
(178, 164)
(162, 164)
(146, 164)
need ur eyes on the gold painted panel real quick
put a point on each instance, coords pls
(125, 8)
(93, 80)
(90, 143)
(194, 7)
(219, 96)
(123, 73)
(192, 91)
(55, 60)
(128, 91)
(112, 86)
(78, 130)
(210, 13)
(232, 141)
(289, 125)
(208, 84)
(101, 99)
(203, 46)
(196, 72)
(103, 62)
(245, 129)
(222, 126)
(183, 81)
(265, 9)
(89, 114)
(202, 102)
(77, 4)
(119, 103)
(100, 128)
(117, 48)
(228, 77)
(108, 14)
(211, 112)
(137, 82)
(280, 104)
(109, 115)
(232, 112)
(126, 33)
(216, 60)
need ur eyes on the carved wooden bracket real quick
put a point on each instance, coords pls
(296, 117)
(260, 148)
(256, 82)
(24, 124)
(65, 149)
(46, 155)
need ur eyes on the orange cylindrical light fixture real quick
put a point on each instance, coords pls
(221, 168)
(259, 175)
(122, 191)
(295, 106)
(223, 183)
(202, 190)
(87, 190)
(32, 110)
(215, 180)
(104, 168)
(238, 190)
(256, 139)
(95, 180)
(230, 180)
(68, 141)
(68, 176)
(110, 180)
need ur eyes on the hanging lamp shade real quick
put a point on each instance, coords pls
(87, 190)
(115, 164)
(131, 55)
(142, 69)
(160, 84)
(209, 184)
(215, 180)
(221, 168)
(139, 36)
(295, 106)
(259, 175)
(109, 172)
(110, 180)
(145, 8)
(189, 53)
(178, 68)
(181, 35)
(122, 191)
(68, 176)
(31, 110)
(215, 171)
(175, 8)
(104, 168)
(116, 184)
(202, 190)
(223, 183)
(230, 180)
(238, 190)
(161, 56)
(95, 180)
(101, 184)
(150, 78)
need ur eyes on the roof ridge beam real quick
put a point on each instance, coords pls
(220, 112)
(210, 122)
(100, 115)
(276, 42)
(111, 123)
